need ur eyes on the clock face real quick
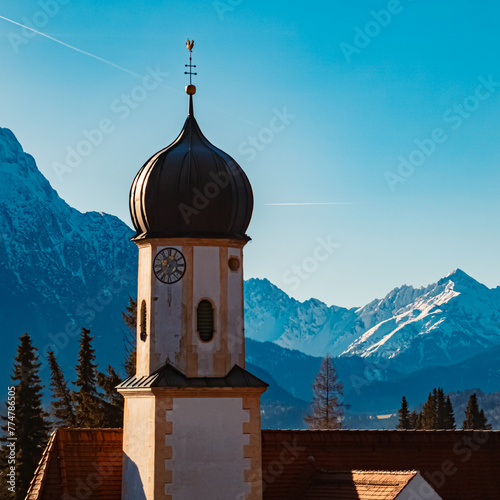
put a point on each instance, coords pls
(169, 265)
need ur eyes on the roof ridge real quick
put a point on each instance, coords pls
(73, 429)
(409, 431)
(42, 464)
(378, 471)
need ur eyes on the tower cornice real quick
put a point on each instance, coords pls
(193, 242)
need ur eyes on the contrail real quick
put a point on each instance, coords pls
(112, 64)
(73, 48)
(306, 204)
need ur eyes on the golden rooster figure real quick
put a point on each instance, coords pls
(190, 45)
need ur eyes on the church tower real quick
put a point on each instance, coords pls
(192, 412)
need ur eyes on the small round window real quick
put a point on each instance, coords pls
(234, 264)
(205, 320)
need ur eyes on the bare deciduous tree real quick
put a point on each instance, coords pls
(327, 408)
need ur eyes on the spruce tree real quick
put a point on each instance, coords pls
(483, 421)
(130, 319)
(418, 421)
(89, 411)
(429, 412)
(404, 416)
(415, 420)
(438, 411)
(475, 418)
(441, 412)
(113, 404)
(449, 415)
(26, 420)
(94, 409)
(63, 409)
(327, 406)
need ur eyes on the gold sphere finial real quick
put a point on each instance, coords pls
(190, 90)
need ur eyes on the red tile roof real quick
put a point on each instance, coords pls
(358, 485)
(80, 463)
(460, 465)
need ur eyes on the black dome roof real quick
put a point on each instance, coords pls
(191, 189)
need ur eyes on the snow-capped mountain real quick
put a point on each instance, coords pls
(311, 326)
(442, 324)
(60, 269)
(411, 328)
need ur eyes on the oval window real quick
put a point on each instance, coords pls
(143, 324)
(205, 320)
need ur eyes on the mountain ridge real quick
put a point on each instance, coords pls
(61, 270)
(442, 323)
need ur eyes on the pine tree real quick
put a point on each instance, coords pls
(445, 418)
(27, 420)
(429, 412)
(483, 421)
(471, 413)
(89, 411)
(418, 421)
(404, 416)
(441, 412)
(415, 420)
(130, 319)
(113, 406)
(327, 406)
(62, 405)
(475, 418)
(449, 415)
(438, 411)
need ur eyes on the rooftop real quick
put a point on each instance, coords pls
(300, 464)
(358, 485)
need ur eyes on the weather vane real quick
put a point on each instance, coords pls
(190, 89)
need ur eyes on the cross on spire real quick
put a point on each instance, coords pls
(190, 45)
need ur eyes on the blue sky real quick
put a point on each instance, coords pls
(389, 124)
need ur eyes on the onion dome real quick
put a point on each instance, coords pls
(191, 189)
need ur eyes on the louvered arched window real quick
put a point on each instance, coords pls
(143, 321)
(205, 320)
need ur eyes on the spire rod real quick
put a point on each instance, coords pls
(190, 89)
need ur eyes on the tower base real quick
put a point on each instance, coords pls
(191, 438)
